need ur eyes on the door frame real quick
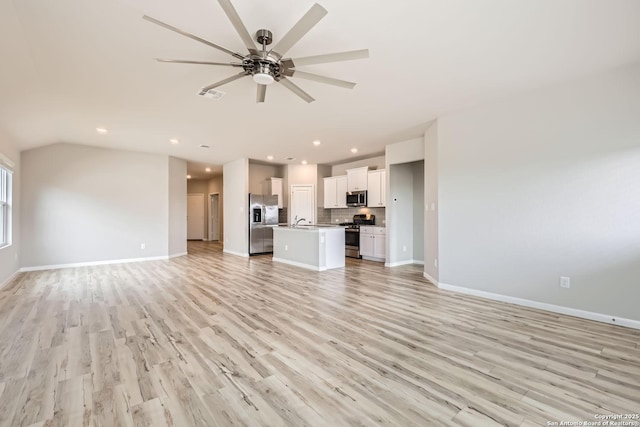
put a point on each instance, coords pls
(211, 216)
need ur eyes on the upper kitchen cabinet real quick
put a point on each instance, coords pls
(376, 184)
(335, 192)
(357, 179)
(273, 187)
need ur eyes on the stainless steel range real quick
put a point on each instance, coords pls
(352, 233)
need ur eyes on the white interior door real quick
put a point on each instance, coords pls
(214, 213)
(195, 216)
(303, 204)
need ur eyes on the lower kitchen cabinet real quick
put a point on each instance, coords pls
(373, 243)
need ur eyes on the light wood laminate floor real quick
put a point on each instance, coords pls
(213, 339)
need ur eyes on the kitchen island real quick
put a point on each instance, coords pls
(317, 248)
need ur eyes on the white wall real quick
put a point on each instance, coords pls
(301, 175)
(323, 171)
(10, 255)
(544, 185)
(177, 206)
(258, 174)
(216, 186)
(201, 186)
(373, 163)
(431, 202)
(400, 161)
(236, 201)
(404, 152)
(86, 204)
(418, 210)
(400, 215)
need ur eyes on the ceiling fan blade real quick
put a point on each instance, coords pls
(224, 82)
(181, 61)
(323, 79)
(323, 59)
(262, 91)
(233, 16)
(295, 89)
(302, 27)
(191, 36)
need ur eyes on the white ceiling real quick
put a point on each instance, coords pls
(69, 66)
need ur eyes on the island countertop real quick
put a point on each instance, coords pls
(316, 247)
(311, 227)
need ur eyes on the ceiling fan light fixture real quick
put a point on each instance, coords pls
(262, 74)
(263, 78)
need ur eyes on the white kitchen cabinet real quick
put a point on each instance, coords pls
(373, 243)
(357, 179)
(273, 187)
(335, 192)
(376, 188)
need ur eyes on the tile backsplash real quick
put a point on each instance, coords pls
(346, 215)
(334, 216)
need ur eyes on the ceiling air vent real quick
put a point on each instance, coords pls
(212, 94)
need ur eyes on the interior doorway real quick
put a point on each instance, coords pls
(214, 217)
(303, 204)
(195, 216)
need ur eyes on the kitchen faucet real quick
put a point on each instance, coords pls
(297, 221)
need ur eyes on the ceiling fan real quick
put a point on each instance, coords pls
(268, 66)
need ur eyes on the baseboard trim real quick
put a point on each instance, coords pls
(227, 251)
(9, 279)
(598, 317)
(399, 263)
(419, 262)
(431, 279)
(91, 263)
(299, 264)
(177, 255)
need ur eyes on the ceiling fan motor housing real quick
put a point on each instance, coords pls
(255, 64)
(264, 37)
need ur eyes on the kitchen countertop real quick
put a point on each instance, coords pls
(309, 227)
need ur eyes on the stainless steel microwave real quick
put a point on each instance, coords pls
(357, 198)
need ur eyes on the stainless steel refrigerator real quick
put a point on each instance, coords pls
(263, 216)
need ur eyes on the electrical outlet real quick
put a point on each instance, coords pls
(435, 263)
(565, 282)
(142, 246)
(286, 247)
(404, 249)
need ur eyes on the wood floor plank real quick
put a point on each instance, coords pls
(214, 339)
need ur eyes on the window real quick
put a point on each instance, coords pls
(5, 207)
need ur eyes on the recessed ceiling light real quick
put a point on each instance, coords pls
(101, 131)
(304, 162)
(188, 176)
(354, 150)
(269, 157)
(174, 141)
(207, 169)
(316, 142)
(204, 146)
